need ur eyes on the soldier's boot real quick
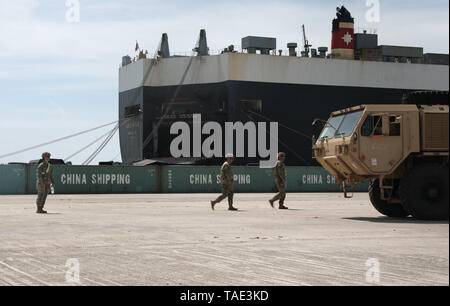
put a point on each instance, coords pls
(40, 210)
(230, 205)
(230, 202)
(282, 204)
(271, 203)
(213, 205)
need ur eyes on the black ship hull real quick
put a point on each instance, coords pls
(293, 106)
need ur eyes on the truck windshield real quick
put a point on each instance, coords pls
(341, 125)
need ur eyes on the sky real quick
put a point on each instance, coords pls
(59, 73)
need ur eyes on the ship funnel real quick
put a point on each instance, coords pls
(163, 50)
(343, 37)
(202, 45)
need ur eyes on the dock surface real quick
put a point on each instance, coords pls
(176, 239)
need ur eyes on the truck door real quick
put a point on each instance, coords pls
(381, 144)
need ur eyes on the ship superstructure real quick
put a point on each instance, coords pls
(259, 84)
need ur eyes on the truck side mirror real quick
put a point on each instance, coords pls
(395, 125)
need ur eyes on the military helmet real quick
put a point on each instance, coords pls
(46, 154)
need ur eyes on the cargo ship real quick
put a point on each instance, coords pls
(260, 83)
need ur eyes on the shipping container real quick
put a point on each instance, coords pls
(21, 179)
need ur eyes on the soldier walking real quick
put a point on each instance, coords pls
(227, 180)
(44, 179)
(279, 174)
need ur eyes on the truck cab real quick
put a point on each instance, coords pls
(385, 143)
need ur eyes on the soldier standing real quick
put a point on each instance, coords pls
(227, 180)
(45, 179)
(279, 174)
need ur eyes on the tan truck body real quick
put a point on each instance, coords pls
(382, 142)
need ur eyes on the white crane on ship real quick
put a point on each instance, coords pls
(306, 45)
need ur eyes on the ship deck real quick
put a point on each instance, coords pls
(177, 240)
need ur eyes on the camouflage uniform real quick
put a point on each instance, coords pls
(279, 174)
(44, 175)
(227, 180)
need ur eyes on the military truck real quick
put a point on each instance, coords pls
(401, 149)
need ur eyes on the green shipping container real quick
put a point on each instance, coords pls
(12, 179)
(21, 179)
(315, 179)
(198, 179)
(100, 179)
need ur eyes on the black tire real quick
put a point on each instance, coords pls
(393, 210)
(424, 192)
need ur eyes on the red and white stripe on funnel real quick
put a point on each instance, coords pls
(343, 40)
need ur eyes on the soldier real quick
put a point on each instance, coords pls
(279, 174)
(227, 180)
(45, 179)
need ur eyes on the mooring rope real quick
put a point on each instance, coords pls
(135, 97)
(285, 126)
(280, 141)
(87, 146)
(101, 147)
(58, 140)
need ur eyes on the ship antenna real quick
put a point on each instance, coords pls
(306, 44)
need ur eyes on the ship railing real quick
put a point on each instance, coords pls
(238, 49)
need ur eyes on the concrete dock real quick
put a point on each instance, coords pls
(176, 239)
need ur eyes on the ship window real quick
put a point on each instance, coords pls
(250, 106)
(132, 111)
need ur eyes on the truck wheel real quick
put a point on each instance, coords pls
(393, 210)
(424, 192)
